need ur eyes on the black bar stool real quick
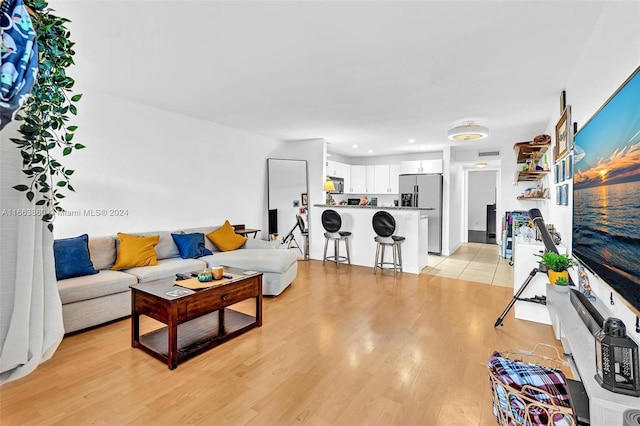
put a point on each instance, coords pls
(384, 226)
(332, 222)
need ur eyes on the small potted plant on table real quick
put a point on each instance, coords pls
(557, 266)
(561, 285)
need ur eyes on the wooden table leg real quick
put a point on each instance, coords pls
(221, 331)
(172, 348)
(135, 322)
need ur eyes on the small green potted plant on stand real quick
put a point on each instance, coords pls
(557, 266)
(561, 285)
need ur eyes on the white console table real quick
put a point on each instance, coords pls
(524, 260)
(605, 408)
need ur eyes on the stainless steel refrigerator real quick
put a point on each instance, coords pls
(425, 191)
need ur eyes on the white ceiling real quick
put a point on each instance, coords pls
(375, 74)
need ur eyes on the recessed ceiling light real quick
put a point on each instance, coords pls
(328, 155)
(467, 132)
(370, 151)
(412, 141)
(481, 165)
(354, 146)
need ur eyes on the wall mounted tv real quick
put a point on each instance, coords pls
(606, 192)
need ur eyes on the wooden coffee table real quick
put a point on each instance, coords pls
(195, 322)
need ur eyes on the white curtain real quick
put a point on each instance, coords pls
(31, 325)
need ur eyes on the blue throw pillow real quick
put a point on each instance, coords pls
(191, 245)
(72, 257)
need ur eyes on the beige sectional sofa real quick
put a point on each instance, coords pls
(91, 300)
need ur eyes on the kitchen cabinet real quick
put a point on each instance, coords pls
(370, 179)
(381, 179)
(358, 180)
(337, 169)
(420, 166)
(386, 178)
(394, 178)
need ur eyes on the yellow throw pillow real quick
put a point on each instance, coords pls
(225, 238)
(136, 250)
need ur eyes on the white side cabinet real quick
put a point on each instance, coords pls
(524, 261)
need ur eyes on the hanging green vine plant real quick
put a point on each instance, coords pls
(45, 130)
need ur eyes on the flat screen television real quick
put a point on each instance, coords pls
(606, 192)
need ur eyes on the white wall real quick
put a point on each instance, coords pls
(162, 170)
(482, 191)
(610, 55)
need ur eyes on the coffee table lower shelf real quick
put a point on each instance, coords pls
(197, 336)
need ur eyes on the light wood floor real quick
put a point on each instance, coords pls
(338, 347)
(473, 262)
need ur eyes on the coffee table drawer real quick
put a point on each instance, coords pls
(223, 296)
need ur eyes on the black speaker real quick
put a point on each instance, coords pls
(575, 127)
(273, 221)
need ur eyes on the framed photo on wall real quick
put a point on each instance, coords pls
(556, 175)
(564, 136)
(565, 194)
(303, 199)
(558, 194)
(563, 170)
(570, 167)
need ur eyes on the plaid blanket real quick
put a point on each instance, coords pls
(518, 374)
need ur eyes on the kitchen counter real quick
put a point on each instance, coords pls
(411, 223)
(373, 207)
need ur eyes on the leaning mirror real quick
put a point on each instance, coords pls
(287, 186)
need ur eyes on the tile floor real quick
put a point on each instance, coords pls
(473, 262)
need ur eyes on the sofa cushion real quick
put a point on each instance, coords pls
(167, 268)
(166, 247)
(191, 245)
(136, 250)
(103, 251)
(261, 260)
(103, 283)
(72, 257)
(226, 238)
(205, 230)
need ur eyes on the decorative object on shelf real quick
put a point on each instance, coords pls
(557, 265)
(617, 359)
(564, 135)
(542, 139)
(545, 164)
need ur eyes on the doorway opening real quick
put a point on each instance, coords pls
(482, 191)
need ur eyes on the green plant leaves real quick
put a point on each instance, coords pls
(44, 117)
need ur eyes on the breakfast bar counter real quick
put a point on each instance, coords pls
(411, 223)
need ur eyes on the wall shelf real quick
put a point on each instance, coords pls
(530, 175)
(528, 151)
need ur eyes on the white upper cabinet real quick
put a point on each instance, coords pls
(381, 179)
(421, 167)
(370, 179)
(358, 180)
(394, 178)
(337, 169)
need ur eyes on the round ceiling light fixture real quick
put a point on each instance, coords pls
(481, 165)
(467, 132)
